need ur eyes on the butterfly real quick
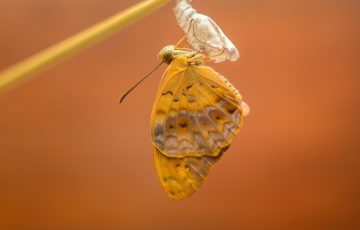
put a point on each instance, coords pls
(195, 117)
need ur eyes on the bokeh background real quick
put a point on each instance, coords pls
(71, 157)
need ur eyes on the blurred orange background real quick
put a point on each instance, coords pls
(71, 157)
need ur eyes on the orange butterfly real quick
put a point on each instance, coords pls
(195, 117)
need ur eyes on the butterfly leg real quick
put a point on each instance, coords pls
(187, 32)
(216, 55)
(202, 58)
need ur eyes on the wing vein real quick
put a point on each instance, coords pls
(196, 117)
(167, 113)
(224, 88)
(211, 121)
(237, 106)
(198, 173)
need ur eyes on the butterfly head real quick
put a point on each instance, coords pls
(167, 54)
(170, 52)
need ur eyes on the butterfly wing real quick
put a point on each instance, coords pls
(195, 117)
(180, 177)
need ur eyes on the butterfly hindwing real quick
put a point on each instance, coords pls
(180, 177)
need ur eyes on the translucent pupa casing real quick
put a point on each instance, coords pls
(204, 35)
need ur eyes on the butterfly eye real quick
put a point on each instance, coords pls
(167, 54)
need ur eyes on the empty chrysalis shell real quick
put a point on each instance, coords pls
(204, 35)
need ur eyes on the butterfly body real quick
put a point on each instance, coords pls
(195, 117)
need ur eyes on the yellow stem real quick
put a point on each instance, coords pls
(22, 71)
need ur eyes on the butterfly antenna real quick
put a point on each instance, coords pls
(132, 88)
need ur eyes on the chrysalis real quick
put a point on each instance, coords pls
(203, 34)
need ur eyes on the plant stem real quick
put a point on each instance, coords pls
(23, 70)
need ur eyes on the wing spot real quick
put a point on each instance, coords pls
(159, 130)
(158, 135)
(225, 148)
(215, 114)
(177, 165)
(168, 92)
(176, 99)
(170, 122)
(191, 99)
(189, 85)
(231, 110)
(184, 92)
(183, 125)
